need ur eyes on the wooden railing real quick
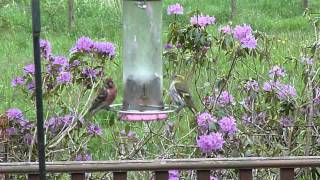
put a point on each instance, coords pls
(77, 169)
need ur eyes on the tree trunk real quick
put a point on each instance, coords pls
(70, 14)
(233, 8)
(305, 4)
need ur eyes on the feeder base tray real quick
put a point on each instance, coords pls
(151, 115)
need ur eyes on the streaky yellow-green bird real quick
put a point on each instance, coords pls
(180, 93)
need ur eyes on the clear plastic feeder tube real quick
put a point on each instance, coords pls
(142, 51)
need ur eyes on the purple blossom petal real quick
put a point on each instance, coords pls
(93, 129)
(226, 29)
(241, 32)
(29, 69)
(17, 81)
(105, 49)
(84, 44)
(14, 113)
(175, 9)
(276, 71)
(64, 77)
(45, 48)
(225, 99)
(202, 20)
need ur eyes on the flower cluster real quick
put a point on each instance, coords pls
(87, 45)
(19, 126)
(242, 33)
(251, 85)
(211, 142)
(202, 20)
(228, 125)
(175, 9)
(204, 119)
(283, 91)
(286, 121)
(225, 99)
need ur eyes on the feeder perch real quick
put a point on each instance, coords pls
(142, 64)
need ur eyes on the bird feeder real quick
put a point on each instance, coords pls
(142, 64)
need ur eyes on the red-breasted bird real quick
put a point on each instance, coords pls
(106, 95)
(180, 93)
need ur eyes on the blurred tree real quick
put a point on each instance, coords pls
(70, 14)
(233, 8)
(305, 4)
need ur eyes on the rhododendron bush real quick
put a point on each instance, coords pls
(250, 102)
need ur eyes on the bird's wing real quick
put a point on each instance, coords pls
(185, 93)
(100, 98)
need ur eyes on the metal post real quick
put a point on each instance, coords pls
(36, 28)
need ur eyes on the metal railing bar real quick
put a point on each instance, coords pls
(163, 165)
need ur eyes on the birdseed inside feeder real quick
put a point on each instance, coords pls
(142, 64)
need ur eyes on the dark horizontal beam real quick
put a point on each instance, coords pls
(163, 165)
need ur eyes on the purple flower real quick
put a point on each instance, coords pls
(27, 138)
(249, 42)
(14, 113)
(175, 9)
(204, 119)
(202, 20)
(83, 157)
(31, 86)
(226, 29)
(60, 60)
(168, 46)
(89, 72)
(270, 86)
(174, 175)
(228, 125)
(178, 46)
(211, 142)
(105, 49)
(286, 91)
(57, 123)
(225, 99)
(246, 119)
(94, 129)
(75, 63)
(286, 121)
(241, 32)
(251, 85)
(17, 81)
(45, 48)
(25, 124)
(276, 71)
(64, 77)
(11, 131)
(84, 44)
(29, 69)
(307, 60)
